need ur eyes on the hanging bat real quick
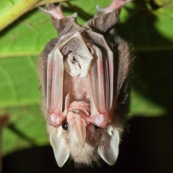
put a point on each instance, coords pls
(85, 88)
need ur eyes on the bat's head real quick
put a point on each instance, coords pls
(66, 142)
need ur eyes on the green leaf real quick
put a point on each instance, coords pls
(148, 29)
(11, 10)
(28, 121)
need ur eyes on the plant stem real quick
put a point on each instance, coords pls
(16, 11)
(3, 120)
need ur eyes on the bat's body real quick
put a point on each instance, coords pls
(84, 78)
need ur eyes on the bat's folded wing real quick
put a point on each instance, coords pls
(54, 92)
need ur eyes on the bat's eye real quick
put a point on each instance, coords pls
(96, 127)
(65, 125)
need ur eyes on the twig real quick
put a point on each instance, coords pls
(19, 9)
(3, 121)
(21, 134)
(15, 12)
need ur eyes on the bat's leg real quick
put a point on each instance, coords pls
(55, 75)
(54, 11)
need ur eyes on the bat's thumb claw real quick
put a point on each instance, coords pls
(55, 120)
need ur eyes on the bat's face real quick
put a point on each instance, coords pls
(99, 143)
(84, 83)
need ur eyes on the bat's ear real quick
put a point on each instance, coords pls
(59, 145)
(109, 150)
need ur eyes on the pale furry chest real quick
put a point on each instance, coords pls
(77, 87)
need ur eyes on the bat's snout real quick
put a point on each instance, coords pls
(79, 126)
(76, 118)
(80, 131)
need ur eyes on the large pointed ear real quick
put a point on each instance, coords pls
(109, 149)
(59, 145)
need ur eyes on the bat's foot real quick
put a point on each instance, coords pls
(54, 11)
(115, 5)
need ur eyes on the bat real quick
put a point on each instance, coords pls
(84, 75)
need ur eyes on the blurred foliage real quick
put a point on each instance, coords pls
(147, 25)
